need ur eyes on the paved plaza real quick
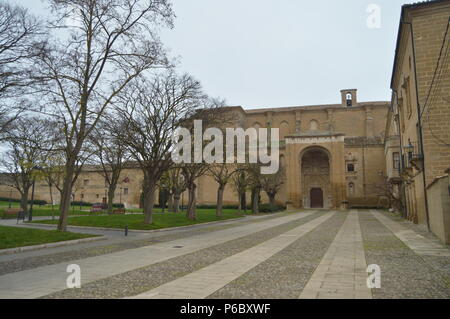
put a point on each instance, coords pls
(313, 254)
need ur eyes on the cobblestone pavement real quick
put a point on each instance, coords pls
(118, 242)
(312, 254)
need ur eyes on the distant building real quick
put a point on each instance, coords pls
(333, 156)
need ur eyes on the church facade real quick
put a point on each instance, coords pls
(332, 155)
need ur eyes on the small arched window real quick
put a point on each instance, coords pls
(349, 99)
(350, 167)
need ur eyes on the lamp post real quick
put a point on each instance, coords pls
(10, 195)
(182, 202)
(73, 203)
(30, 213)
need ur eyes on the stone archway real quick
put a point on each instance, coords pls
(315, 178)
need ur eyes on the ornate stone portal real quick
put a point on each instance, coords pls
(316, 162)
(315, 180)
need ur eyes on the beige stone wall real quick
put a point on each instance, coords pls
(440, 208)
(429, 22)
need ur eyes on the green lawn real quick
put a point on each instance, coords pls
(137, 221)
(11, 237)
(46, 210)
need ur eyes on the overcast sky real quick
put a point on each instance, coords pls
(274, 53)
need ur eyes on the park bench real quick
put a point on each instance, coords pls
(12, 213)
(119, 211)
(96, 210)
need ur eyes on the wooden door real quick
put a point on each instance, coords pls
(316, 198)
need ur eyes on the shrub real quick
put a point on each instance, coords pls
(266, 208)
(83, 204)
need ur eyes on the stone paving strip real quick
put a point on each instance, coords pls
(342, 272)
(418, 243)
(404, 273)
(34, 259)
(285, 274)
(49, 279)
(16, 250)
(204, 282)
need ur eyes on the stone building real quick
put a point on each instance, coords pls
(418, 126)
(332, 155)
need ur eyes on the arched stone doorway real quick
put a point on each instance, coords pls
(315, 179)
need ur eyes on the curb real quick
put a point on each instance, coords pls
(148, 231)
(16, 250)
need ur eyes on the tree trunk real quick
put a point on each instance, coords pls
(66, 196)
(51, 199)
(255, 200)
(24, 200)
(176, 203)
(149, 201)
(170, 203)
(219, 207)
(271, 199)
(240, 202)
(191, 211)
(111, 191)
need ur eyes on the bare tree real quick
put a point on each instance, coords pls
(255, 185)
(222, 174)
(212, 115)
(240, 183)
(176, 185)
(272, 184)
(110, 153)
(27, 145)
(191, 172)
(20, 40)
(392, 191)
(109, 43)
(152, 111)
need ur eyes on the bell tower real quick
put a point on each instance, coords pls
(349, 97)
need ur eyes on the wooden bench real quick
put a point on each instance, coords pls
(96, 210)
(11, 213)
(119, 211)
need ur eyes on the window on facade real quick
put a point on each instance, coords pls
(82, 196)
(86, 182)
(125, 191)
(350, 167)
(396, 160)
(98, 196)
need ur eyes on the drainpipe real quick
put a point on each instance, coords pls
(419, 116)
(401, 156)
